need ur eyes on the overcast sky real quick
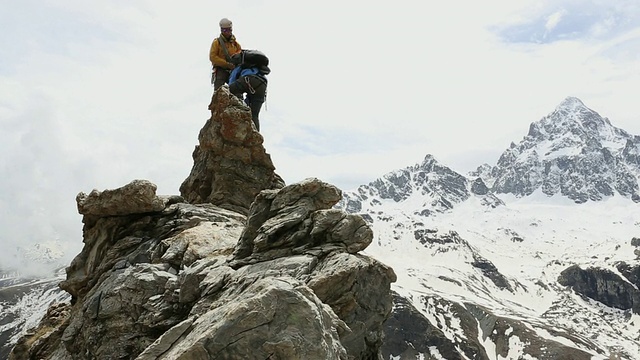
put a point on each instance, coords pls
(94, 94)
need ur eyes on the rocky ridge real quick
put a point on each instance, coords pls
(433, 187)
(213, 273)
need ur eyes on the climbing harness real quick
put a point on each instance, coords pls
(251, 89)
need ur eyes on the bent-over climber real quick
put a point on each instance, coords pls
(250, 77)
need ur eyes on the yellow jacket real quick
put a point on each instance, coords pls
(216, 54)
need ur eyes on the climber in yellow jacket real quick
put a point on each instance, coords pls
(222, 48)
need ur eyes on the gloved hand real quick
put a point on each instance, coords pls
(230, 66)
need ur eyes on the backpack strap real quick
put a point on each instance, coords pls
(224, 48)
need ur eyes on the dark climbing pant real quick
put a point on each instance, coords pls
(256, 89)
(220, 77)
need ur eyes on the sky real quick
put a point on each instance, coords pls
(96, 94)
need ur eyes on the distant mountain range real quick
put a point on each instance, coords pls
(573, 152)
(534, 257)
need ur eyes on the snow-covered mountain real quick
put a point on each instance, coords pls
(574, 152)
(533, 258)
(26, 294)
(23, 302)
(425, 188)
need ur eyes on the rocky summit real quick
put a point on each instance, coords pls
(230, 165)
(239, 266)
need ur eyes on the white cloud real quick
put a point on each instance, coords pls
(554, 19)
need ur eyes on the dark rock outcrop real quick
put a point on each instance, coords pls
(410, 334)
(489, 270)
(631, 273)
(23, 300)
(604, 285)
(500, 330)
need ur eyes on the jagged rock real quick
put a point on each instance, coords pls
(350, 284)
(230, 165)
(277, 318)
(631, 273)
(162, 278)
(48, 333)
(415, 334)
(124, 312)
(139, 196)
(297, 218)
(478, 187)
(16, 318)
(603, 285)
(482, 172)
(409, 334)
(166, 284)
(431, 236)
(140, 238)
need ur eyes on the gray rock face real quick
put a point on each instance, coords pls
(574, 152)
(230, 165)
(265, 322)
(411, 334)
(605, 286)
(430, 177)
(172, 283)
(139, 196)
(501, 329)
(302, 213)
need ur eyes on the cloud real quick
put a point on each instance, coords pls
(554, 19)
(551, 21)
(37, 175)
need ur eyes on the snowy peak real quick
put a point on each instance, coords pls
(572, 119)
(571, 103)
(571, 107)
(574, 152)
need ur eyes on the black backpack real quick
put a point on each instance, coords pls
(252, 58)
